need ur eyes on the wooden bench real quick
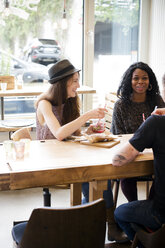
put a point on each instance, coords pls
(110, 99)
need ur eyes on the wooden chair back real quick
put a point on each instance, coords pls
(22, 133)
(149, 239)
(110, 99)
(81, 226)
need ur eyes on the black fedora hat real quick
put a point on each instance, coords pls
(60, 70)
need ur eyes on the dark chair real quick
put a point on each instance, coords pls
(148, 239)
(118, 245)
(81, 226)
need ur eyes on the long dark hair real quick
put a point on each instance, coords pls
(57, 96)
(124, 91)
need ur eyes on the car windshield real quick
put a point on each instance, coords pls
(46, 41)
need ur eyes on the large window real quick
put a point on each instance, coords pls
(115, 42)
(34, 41)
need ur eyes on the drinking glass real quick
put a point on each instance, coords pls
(8, 147)
(19, 147)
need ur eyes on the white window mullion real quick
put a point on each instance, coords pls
(88, 50)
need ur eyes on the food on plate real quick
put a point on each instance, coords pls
(94, 137)
(99, 137)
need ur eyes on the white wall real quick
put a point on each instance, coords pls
(157, 39)
(152, 36)
(144, 29)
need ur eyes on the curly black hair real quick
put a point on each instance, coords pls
(125, 89)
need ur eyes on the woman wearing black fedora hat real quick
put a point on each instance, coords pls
(58, 109)
(58, 116)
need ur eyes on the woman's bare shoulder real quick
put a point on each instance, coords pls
(44, 103)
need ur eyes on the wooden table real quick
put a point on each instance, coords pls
(35, 91)
(53, 162)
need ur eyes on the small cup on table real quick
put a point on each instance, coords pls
(8, 147)
(19, 147)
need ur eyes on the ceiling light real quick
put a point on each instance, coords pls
(64, 23)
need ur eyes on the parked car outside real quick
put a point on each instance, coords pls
(30, 72)
(43, 51)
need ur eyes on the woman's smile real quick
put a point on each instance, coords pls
(141, 88)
